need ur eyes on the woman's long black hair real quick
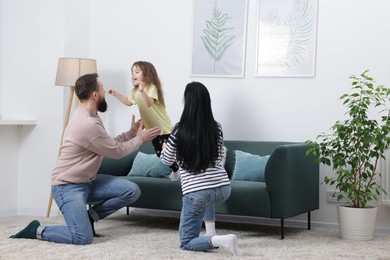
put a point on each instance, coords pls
(198, 135)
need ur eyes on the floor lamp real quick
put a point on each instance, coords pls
(68, 71)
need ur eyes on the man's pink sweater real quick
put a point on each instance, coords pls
(84, 144)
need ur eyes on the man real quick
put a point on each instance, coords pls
(75, 182)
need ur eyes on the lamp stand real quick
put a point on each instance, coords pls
(70, 101)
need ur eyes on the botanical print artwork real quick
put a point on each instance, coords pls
(287, 38)
(219, 38)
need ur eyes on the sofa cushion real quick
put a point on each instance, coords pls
(249, 167)
(149, 165)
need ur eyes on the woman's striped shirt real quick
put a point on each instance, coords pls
(212, 177)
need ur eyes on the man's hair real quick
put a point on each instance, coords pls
(86, 85)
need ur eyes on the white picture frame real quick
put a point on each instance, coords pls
(286, 38)
(213, 56)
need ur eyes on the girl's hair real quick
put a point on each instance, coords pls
(150, 77)
(85, 85)
(198, 134)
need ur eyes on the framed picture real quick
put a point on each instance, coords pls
(219, 36)
(286, 38)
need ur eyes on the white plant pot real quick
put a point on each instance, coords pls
(356, 223)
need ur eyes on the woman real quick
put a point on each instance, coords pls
(196, 144)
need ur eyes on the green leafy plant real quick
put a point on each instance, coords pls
(216, 37)
(355, 145)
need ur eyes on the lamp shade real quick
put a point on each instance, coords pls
(70, 69)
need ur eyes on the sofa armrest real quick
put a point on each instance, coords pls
(292, 179)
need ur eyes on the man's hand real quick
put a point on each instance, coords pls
(135, 125)
(149, 134)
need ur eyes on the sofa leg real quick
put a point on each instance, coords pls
(281, 228)
(308, 220)
(127, 211)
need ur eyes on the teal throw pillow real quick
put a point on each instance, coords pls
(149, 165)
(249, 167)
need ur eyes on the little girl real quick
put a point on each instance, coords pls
(147, 94)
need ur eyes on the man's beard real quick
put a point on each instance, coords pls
(102, 105)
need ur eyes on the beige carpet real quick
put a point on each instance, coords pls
(140, 236)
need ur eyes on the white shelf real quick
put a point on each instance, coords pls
(18, 122)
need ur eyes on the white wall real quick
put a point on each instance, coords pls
(31, 41)
(352, 36)
(8, 175)
(1, 53)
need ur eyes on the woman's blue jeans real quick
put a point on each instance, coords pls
(196, 207)
(106, 193)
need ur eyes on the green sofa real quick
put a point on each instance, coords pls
(291, 184)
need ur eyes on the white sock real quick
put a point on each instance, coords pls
(174, 176)
(210, 228)
(229, 242)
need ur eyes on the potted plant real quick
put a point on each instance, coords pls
(353, 149)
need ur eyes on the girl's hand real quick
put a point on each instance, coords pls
(141, 86)
(111, 91)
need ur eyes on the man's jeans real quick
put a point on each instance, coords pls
(110, 193)
(192, 214)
